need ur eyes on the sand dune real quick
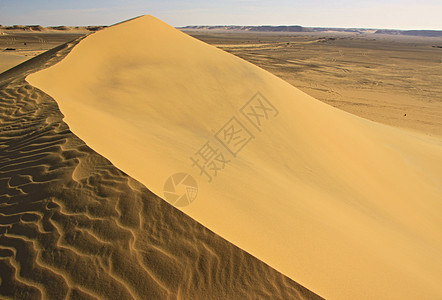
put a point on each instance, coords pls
(345, 206)
(72, 226)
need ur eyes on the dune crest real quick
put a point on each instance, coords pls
(345, 206)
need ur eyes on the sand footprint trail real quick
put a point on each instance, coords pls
(343, 205)
(72, 226)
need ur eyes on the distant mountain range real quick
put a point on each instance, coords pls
(297, 28)
(430, 33)
(264, 28)
(41, 28)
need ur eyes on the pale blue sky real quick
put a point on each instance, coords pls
(394, 14)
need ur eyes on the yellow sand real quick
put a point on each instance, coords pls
(346, 207)
(8, 61)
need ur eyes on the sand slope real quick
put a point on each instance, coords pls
(345, 206)
(72, 226)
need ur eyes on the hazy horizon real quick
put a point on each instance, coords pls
(231, 25)
(392, 14)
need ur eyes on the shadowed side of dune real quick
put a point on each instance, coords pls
(72, 226)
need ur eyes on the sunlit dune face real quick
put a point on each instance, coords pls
(313, 191)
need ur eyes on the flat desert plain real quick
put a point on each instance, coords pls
(391, 79)
(290, 197)
(19, 45)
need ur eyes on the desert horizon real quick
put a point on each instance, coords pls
(428, 32)
(148, 161)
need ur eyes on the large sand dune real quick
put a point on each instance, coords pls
(345, 206)
(72, 226)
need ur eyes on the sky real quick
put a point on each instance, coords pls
(391, 14)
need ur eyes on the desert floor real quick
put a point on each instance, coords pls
(23, 45)
(375, 76)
